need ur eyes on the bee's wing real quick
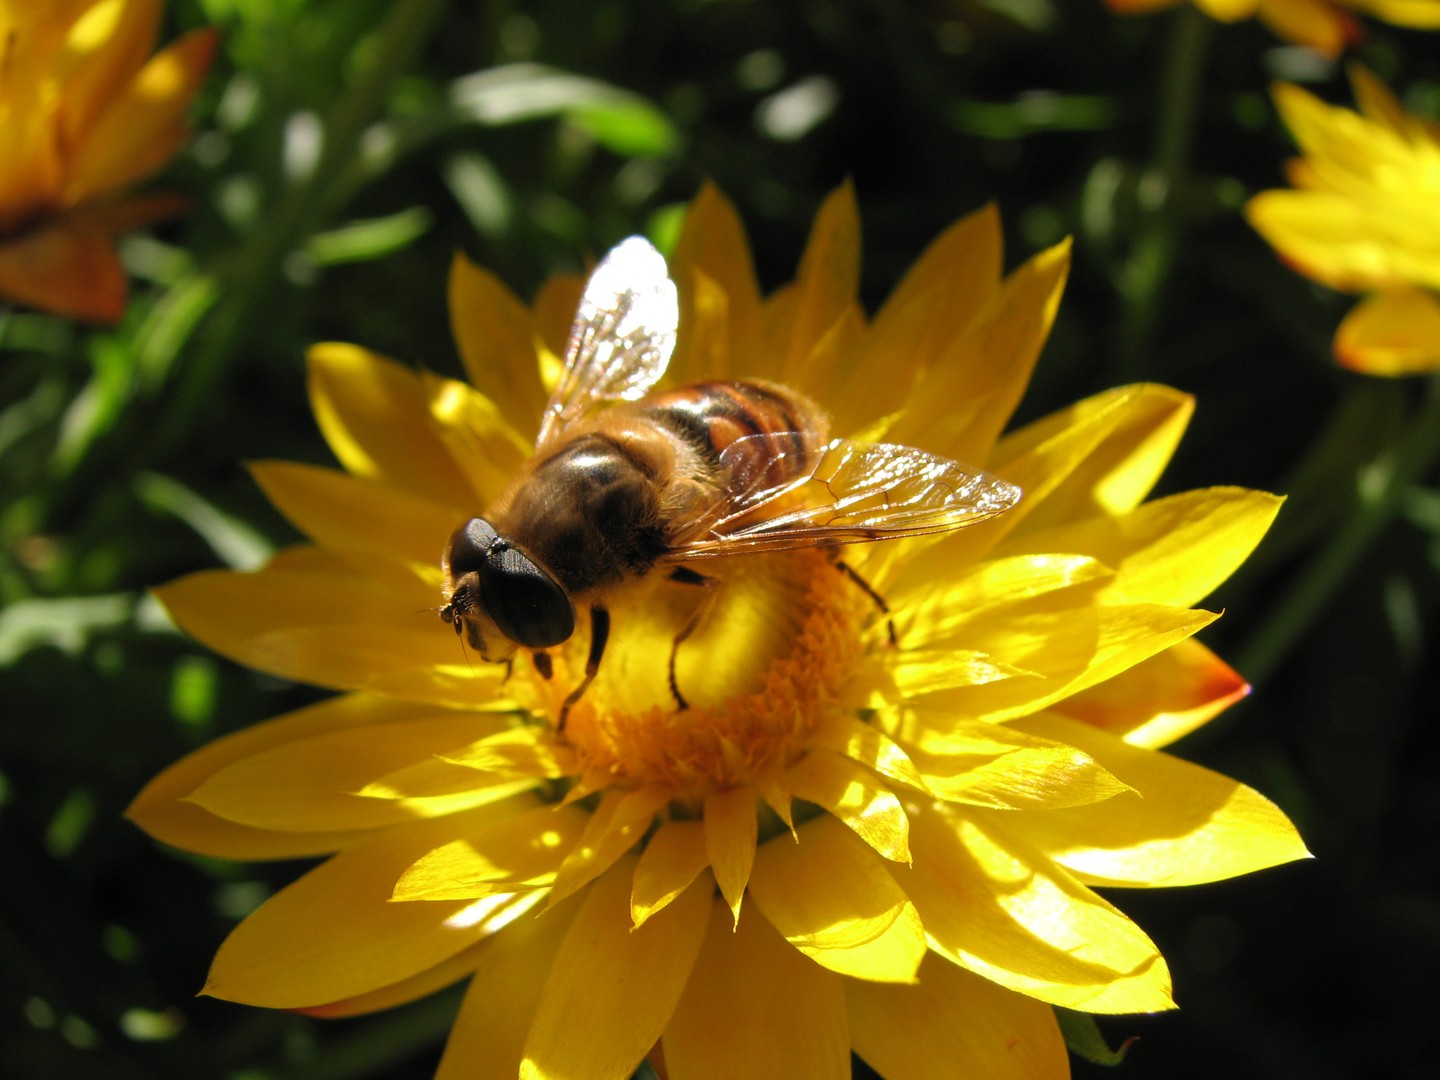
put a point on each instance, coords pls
(847, 493)
(622, 338)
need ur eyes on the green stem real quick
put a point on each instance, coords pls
(304, 209)
(1382, 486)
(1152, 256)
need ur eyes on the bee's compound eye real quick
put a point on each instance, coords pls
(469, 547)
(527, 605)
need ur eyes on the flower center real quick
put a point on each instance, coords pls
(772, 644)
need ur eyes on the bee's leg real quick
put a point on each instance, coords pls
(599, 634)
(543, 664)
(869, 590)
(686, 576)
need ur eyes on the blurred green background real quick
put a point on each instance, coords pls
(346, 149)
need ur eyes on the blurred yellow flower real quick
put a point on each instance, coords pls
(1325, 25)
(85, 112)
(1365, 218)
(844, 843)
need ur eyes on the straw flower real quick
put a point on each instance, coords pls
(1365, 218)
(85, 113)
(843, 842)
(1325, 25)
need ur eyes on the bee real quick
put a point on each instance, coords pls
(628, 481)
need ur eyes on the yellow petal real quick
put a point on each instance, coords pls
(830, 897)
(1184, 825)
(487, 1039)
(520, 851)
(825, 284)
(311, 618)
(1396, 332)
(335, 934)
(1008, 914)
(144, 124)
(719, 298)
(484, 444)
(417, 986)
(936, 302)
(551, 317)
(496, 338)
(311, 784)
(954, 1025)
(522, 751)
(730, 833)
(379, 529)
(963, 400)
(1320, 25)
(997, 766)
(103, 49)
(1173, 551)
(376, 417)
(933, 612)
(854, 796)
(1159, 699)
(925, 671)
(865, 744)
(1102, 455)
(580, 1030)
(672, 859)
(163, 811)
(617, 825)
(755, 1008)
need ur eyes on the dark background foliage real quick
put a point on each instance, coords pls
(347, 148)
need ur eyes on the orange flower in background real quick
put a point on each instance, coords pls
(1326, 25)
(85, 113)
(1364, 217)
(869, 829)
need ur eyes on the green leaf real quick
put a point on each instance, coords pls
(1083, 1038)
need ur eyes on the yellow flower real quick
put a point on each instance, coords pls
(84, 115)
(1365, 218)
(1325, 25)
(843, 843)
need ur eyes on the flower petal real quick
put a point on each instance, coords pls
(864, 743)
(825, 284)
(163, 810)
(731, 826)
(1395, 332)
(719, 298)
(496, 337)
(578, 1031)
(308, 616)
(376, 417)
(1007, 914)
(417, 986)
(673, 857)
(1186, 825)
(855, 797)
(1171, 551)
(334, 934)
(1159, 699)
(521, 851)
(312, 784)
(65, 268)
(953, 1024)
(144, 124)
(487, 1039)
(480, 438)
(963, 400)
(755, 1008)
(616, 825)
(830, 897)
(953, 280)
(379, 529)
(997, 766)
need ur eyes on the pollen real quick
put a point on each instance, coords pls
(774, 640)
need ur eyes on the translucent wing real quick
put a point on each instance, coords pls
(843, 493)
(622, 338)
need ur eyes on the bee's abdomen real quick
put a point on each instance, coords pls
(783, 429)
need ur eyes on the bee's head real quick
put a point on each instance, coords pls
(499, 598)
